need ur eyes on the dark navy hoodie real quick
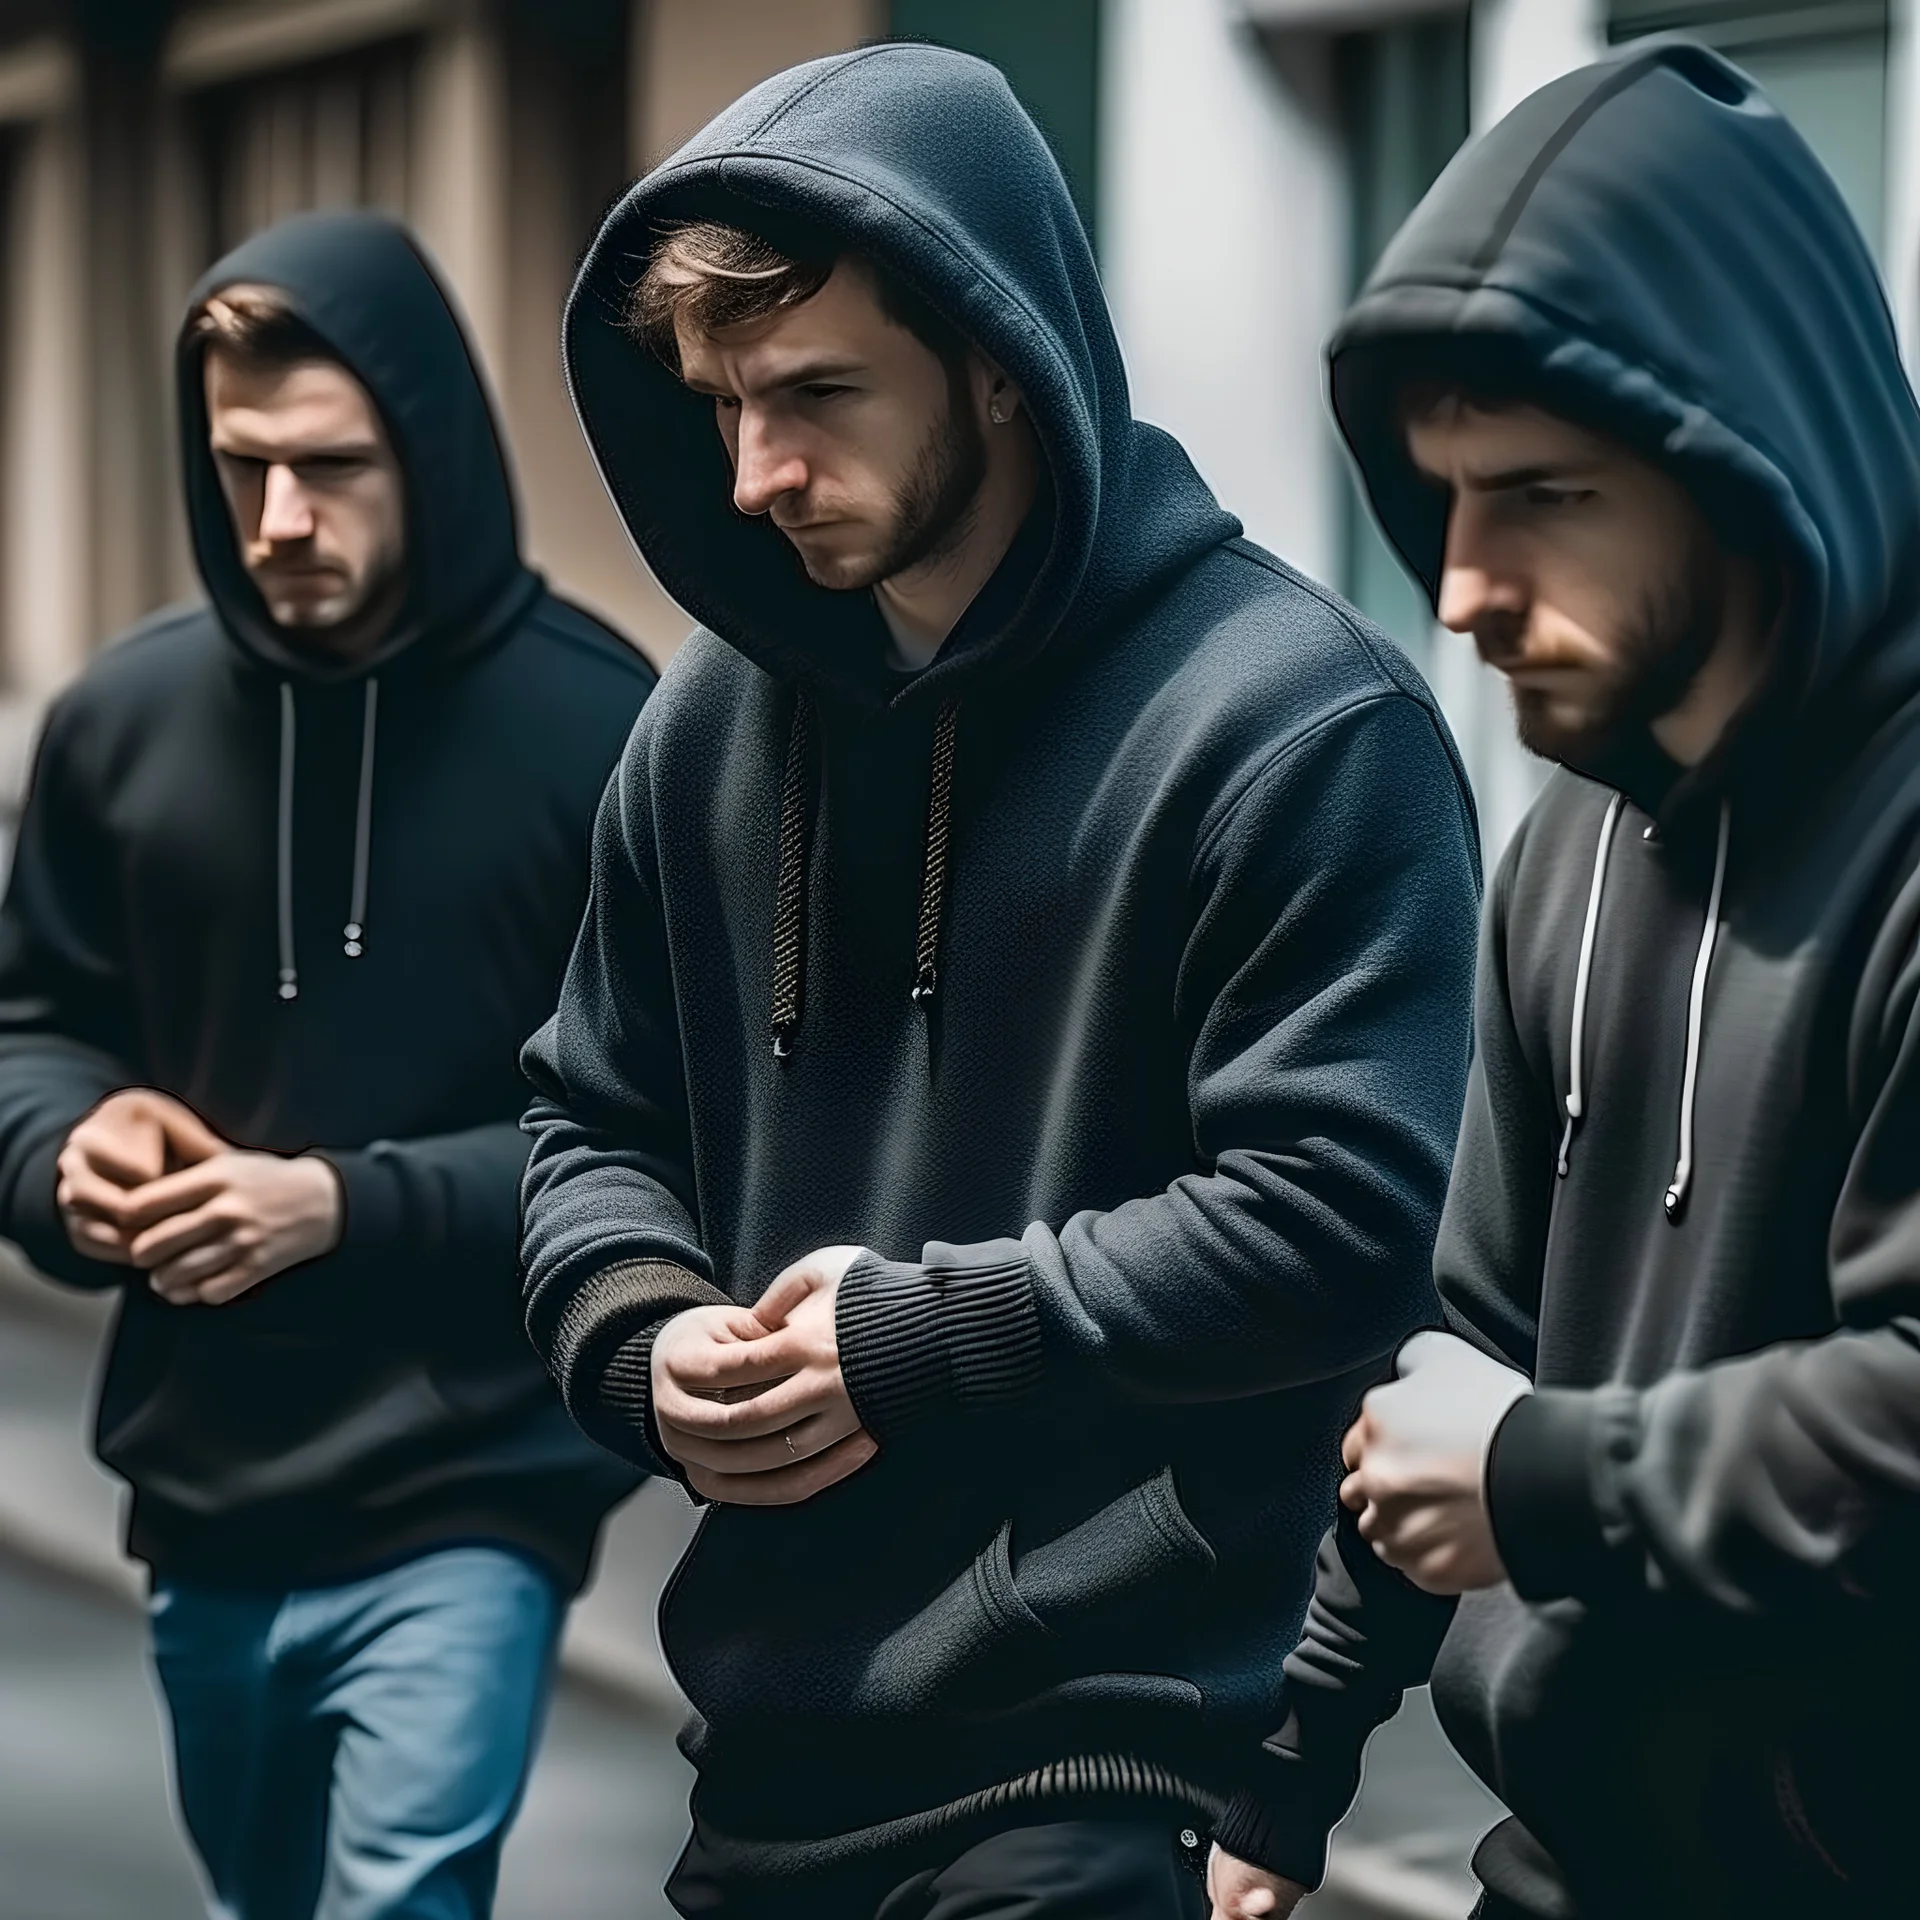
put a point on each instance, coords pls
(212, 810)
(1687, 1198)
(1177, 853)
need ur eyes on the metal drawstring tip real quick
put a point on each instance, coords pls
(289, 988)
(1676, 1198)
(355, 933)
(924, 986)
(782, 1045)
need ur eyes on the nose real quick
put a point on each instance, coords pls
(285, 511)
(764, 468)
(1475, 588)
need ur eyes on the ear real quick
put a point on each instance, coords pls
(1003, 398)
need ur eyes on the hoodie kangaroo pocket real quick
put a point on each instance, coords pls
(1119, 1572)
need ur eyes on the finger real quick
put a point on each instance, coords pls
(186, 1272)
(795, 1484)
(82, 1190)
(795, 1285)
(125, 1151)
(188, 1138)
(719, 1370)
(1353, 1448)
(799, 1396)
(97, 1240)
(238, 1279)
(161, 1244)
(771, 1454)
(1353, 1493)
(171, 1194)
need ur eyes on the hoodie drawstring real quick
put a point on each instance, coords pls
(933, 871)
(790, 888)
(355, 930)
(289, 732)
(356, 927)
(1696, 1007)
(1676, 1193)
(1577, 1045)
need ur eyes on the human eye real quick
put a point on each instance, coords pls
(1551, 497)
(823, 390)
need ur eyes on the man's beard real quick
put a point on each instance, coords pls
(933, 511)
(1660, 656)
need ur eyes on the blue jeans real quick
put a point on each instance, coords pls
(358, 1752)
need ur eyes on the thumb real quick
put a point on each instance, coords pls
(780, 1299)
(189, 1139)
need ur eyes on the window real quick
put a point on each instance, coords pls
(1825, 65)
(337, 133)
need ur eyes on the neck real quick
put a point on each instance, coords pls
(924, 604)
(1730, 677)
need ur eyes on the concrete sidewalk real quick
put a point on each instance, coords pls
(1400, 1856)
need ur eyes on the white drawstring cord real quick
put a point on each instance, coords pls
(1576, 1091)
(1696, 1007)
(289, 965)
(356, 927)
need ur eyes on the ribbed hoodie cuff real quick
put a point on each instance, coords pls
(1276, 1824)
(370, 1198)
(601, 1354)
(1540, 1493)
(959, 1330)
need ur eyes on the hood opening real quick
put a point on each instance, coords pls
(360, 282)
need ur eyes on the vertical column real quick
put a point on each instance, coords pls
(1223, 241)
(1903, 173)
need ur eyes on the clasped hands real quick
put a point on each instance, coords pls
(750, 1400)
(145, 1182)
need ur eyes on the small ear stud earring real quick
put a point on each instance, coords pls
(998, 414)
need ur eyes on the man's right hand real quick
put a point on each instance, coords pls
(1239, 1891)
(127, 1140)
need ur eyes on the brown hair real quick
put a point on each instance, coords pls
(255, 326)
(713, 276)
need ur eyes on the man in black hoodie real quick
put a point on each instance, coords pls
(297, 874)
(1626, 395)
(1022, 1006)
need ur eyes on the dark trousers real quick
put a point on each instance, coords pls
(1071, 1870)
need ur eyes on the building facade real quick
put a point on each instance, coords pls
(1239, 161)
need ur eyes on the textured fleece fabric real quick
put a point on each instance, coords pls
(1698, 1692)
(1148, 1181)
(384, 1398)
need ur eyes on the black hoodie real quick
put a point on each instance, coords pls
(1687, 1197)
(1178, 856)
(324, 908)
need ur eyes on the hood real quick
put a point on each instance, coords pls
(1653, 250)
(922, 160)
(360, 282)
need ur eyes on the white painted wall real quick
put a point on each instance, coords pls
(1223, 242)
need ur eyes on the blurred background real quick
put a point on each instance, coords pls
(1240, 164)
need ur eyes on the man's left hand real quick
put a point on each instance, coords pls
(212, 1232)
(1417, 1463)
(766, 1445)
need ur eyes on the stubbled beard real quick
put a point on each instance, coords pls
(1660, 655)
(934, 509)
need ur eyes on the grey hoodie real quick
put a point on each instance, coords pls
(1687, 1195)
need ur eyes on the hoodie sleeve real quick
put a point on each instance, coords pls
(611, 1250)
(1786, 1482)
(1326, 986)
(63, 997)
(1371, 1634)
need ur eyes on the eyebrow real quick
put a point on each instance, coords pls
(803, 375)
(1507, 479)
(337, 450)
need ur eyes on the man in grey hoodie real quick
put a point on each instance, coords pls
(1626, 395)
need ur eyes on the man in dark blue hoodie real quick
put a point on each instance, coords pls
(1626, 395)
(998, 1108)
(297, 874)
